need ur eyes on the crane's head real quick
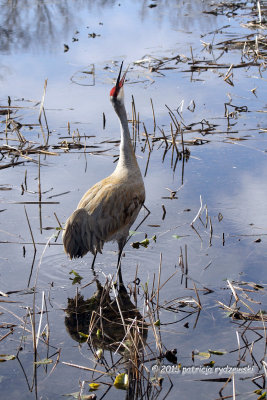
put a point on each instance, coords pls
(116, 93)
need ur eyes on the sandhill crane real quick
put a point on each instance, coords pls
(109, 208)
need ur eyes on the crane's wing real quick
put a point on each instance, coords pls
(105, 212)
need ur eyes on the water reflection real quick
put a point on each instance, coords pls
(113, 324)
(44, 25)
(101, 320)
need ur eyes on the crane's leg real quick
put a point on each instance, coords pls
(119, 268)
(93, 263)
(121, 245)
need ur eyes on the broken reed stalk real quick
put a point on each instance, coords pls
(152, 323)
(173, 117)
(85, 368)
(181, 263)
(174, 140)
(42, 102)
(265, 340)
(259, 10)
(58, 220)
(159, 275)
(182, 139)
(177, 126)
(29, 225)
(238, 343)
(147, 163)
(223, 387)
(25, 180)
(198, 213)
(43, 134)
(153, 112)
(40, 320)
(6, 129)
(233, 380)
(211, 230)
(40, 193)
(32, 319)
(147, 139)
(198, 298)
(134, 123)
(228, 73)
(186, 265)
(119, 307)
(172, 146)
(39, 179)
(233, 291)
(6, 335)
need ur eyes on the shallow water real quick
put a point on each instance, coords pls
(229, 173)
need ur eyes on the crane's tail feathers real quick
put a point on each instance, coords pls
(79, 236)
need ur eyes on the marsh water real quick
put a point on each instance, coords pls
(204, 61)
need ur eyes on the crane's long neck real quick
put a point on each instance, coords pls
(127, 157)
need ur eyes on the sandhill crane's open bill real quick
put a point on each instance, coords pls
(119, 83)
(109, 208)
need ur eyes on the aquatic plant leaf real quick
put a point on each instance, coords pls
(121, 381)
(44, 361)
(144, 242)
(83, 335)
(98, 333)
(132, 233)
(99, 353)
(262, 396)
(203, 354)
(94, 386)
(210, 364)
(6, 357)
(157, 323)
(217, 353)
(77, 277)
(176, 236)
(74, 272)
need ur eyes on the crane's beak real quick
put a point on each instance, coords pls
(117, 89)
(120, 81)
